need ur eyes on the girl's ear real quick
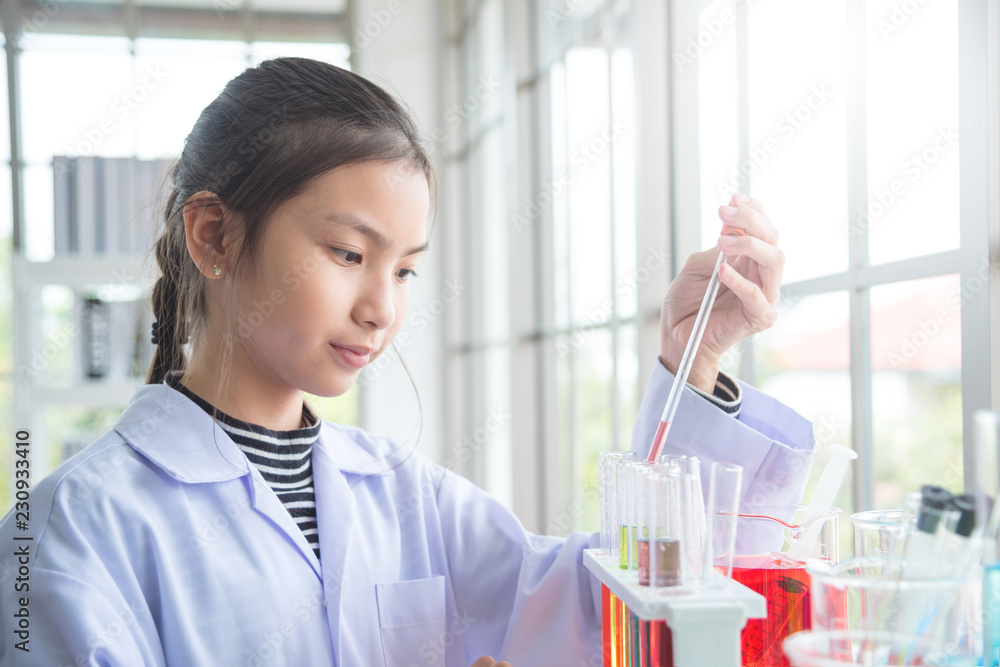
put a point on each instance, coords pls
(203, 228)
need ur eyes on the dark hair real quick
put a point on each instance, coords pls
(271, 131)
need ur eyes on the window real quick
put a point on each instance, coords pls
(550, 332)
(853, 147)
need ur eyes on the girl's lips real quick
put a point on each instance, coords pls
(355, 357)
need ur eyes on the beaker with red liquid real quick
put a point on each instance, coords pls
(764, 537)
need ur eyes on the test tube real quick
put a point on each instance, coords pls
(924, 545)
(724, 484)
(636, 508)
(619, 496)
(693, 528)
(664, 555)
(608, 492)
(645, 527)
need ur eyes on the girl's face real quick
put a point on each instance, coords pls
(333, 278)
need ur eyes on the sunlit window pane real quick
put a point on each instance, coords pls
(5, 119)
(485, 102)
(916, 355)
(804, 361)
(565, 476)
(628, 384)
(798, 129)
(912, 129)
(492, 221)
(38, 211)
(177, 79)
(717, 111)
(558, 198)
(77, 97)
(623, 177)
(594, 417)
(589, 129)
(493, 434)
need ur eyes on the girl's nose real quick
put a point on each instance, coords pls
(375, 304)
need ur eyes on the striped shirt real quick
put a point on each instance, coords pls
(728, 394)
(284, 458)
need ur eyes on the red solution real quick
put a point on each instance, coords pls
(785, 585)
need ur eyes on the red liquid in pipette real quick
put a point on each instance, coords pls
(658, 440)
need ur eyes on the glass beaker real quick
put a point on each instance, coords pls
(871, 595)
(764, 537)
(842, 648)
(875, 532)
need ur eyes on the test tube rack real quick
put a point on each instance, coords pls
(705, 623)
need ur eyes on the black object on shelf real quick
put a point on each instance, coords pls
(96, 337)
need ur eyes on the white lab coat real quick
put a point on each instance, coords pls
(160, 544)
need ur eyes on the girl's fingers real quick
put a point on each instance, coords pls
(741, 199)
(749, 219)
(759, 311)
(770, 260)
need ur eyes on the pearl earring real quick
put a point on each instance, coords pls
(216, 270)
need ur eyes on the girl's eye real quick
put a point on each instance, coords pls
(406, 274)
(348, 256)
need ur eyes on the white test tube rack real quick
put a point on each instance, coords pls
(706, 623)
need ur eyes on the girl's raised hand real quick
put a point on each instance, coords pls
(487, 661)
(747, 297)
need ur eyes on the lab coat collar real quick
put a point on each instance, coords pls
(171, 430)
(181, 438)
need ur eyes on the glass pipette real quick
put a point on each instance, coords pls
(684, 369)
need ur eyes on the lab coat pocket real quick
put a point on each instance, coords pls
(411, 617)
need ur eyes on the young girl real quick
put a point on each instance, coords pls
(221, 522)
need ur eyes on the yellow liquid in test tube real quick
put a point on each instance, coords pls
(623, 550)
